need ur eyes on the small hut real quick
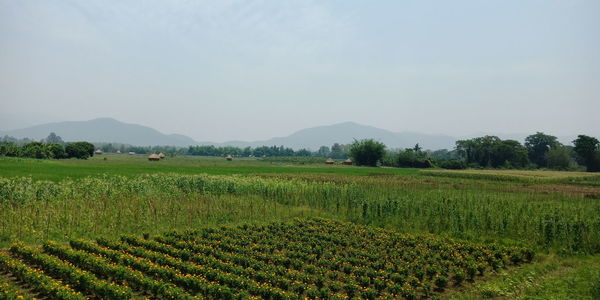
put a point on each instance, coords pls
(229, 157)
(153, 157)
(329, 161)
(118, 151)
(98, 152)
(161, 155)
(348, 162)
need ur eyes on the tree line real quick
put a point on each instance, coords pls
(539, 151)
(45, 150)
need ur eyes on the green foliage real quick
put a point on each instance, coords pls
(587, 149)
(559, 158)
(80, 150)
(538, 145)
(10, 149)
(490, 151)
(36, 278)
(34, 150)
(313, 257)
(55, 151)
(367, 152)
(338, 151)
(454, 207)
(411, 158)
(53, 139)
(453, 164)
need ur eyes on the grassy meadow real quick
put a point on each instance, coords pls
(557, 214)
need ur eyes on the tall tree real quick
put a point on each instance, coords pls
(337, 151)
(323, 151)
(54, 139)
(367, 152)
(538, 145)
(588, 152)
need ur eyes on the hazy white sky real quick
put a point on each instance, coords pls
(248, 70)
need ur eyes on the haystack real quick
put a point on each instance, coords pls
(118, 151)
(98, 152)
(348, 162)
(329, 161)
(229, 157)
(131, 153)
(161, 155)
(153, 157)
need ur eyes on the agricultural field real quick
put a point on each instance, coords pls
(306, 258)
(206, 227)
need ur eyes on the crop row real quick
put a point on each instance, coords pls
(372, 261)
(80, 279)
(208, 282)
(9, 291)
(121, 274)
(305, 258)
(38, 280)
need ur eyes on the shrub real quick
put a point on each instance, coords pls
(453, 164)
(81, 150)
(367, 152)
(55, 151)
(413, 159)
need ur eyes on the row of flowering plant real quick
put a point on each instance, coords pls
(79, 279)
(36, 278)
(351, 259)
(234, 281)
(9, 292)
(191, 282)
(120, 274)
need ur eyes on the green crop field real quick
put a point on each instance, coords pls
(124, 227)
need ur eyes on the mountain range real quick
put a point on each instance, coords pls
(105, 130)
(102, 130)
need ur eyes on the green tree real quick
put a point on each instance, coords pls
(538, 145)
(323, 151)
(587, 151)
(510, 154)
(559, 158)
(34, 150)
(367, 152)
(55, 151)
(81, 150)
(409, 158)
(10, 149)
(337, 151)
(54, 139)
(478, 150)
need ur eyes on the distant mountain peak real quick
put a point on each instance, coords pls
(346, 132)
(105, 130)
(109, 130)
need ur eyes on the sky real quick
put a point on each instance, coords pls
(251, 70)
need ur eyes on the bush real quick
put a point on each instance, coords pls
(412, 159)
(10, 149)
(55, 151)
(34, 150)
(559, 158)
(453, 164)
(81, 150)
(367, 152)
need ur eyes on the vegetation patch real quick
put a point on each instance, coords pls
(306, 258)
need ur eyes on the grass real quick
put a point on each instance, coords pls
(549, 277)
(126, 165)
